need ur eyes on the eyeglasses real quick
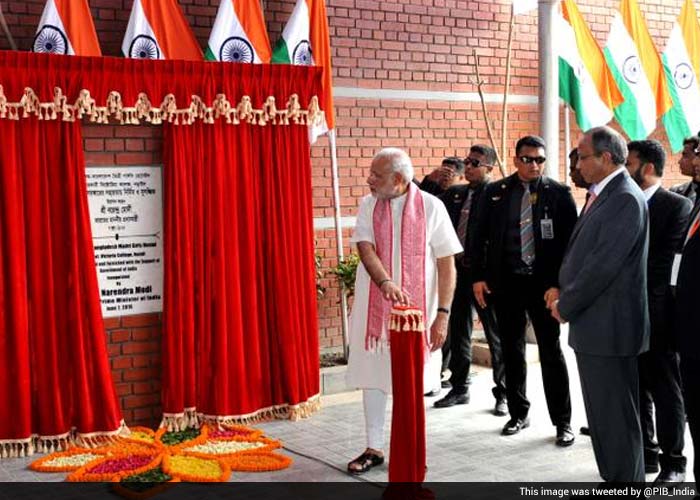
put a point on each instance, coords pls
(475, 162)
(532, 159)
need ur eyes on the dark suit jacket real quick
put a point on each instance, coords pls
(684, 190)
(454, 199)
(487, 245)
(430, 186)
(688, 296)
(604, 274)
(668, 220)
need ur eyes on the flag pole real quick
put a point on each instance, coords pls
(567, 144)
(6, 29)
(338, 238)
(506, 87)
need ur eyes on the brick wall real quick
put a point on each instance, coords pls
(381, 51)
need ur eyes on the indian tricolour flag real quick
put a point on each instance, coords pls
(638, 71)
(158, 29)
(585, 82)
(305, 40)
(239, 33)
(66, 27)
(682, 63)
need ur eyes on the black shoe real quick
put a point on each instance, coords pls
(445, 384)
(669, 476)
(432, 394)
(452, 399)
(364, 462)
(651, 467)
(565, 436)
(501, 408)
(584, 430)
(515, 425)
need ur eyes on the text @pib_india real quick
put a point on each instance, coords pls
(640, 491)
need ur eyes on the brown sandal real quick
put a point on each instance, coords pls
(364, 462)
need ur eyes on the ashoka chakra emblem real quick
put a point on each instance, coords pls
(144, 47)
(236, 49)
(302, 54)
(50, 40)
(632, 69)
(684, 76)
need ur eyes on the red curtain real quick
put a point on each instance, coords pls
(240, 328)
(55, 375)
(240, 331)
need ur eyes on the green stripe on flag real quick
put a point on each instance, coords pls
(677, 128)
(570, 92)
(626, 113)
(209, 55)
(280, 54)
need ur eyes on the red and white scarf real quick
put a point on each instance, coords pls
(412, 277)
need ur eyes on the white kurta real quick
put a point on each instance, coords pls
(372, 370)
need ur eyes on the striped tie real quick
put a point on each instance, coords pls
(464, 220)
(693, 226)
(527, 235)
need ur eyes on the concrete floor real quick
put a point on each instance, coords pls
(464, 442)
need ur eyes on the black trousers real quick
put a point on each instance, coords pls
(520, 295)
(660, 382)
(460, 338)
(690, 375)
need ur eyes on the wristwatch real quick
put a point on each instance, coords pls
(443, 310)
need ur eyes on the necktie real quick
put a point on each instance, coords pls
(527, 235)
(590, 198)
(694, 226)
(464, 220)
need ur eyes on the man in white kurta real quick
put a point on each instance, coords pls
(370, 369)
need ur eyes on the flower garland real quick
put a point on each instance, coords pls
(258, 462)
(66, 461)
(207, 454)
(110, 467)
(196, 469)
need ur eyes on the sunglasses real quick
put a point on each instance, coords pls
(532, 159)
(474, 162)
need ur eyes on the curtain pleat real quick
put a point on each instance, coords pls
(240, 254)
(53, 346)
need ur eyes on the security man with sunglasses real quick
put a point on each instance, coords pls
(523, 225)
(461, 201)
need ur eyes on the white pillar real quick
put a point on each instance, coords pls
(549, 84)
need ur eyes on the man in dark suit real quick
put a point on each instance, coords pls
(688, 321)
(689, 189)
(604, 297)
(659, 372)
(440, 179)
(524, 222)
(461, 202)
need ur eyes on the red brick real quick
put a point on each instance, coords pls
(117, 336)
(140, 347)
(139, 320)
(141, 374)
(121, 363)
(141, 401)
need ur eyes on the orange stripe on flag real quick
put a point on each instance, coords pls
(250, 16)
(171, 29)
(77, 21)
(320, 42)
(592, 56)
(651, 61)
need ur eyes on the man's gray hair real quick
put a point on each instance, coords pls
(607, 139)
(399, 160)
